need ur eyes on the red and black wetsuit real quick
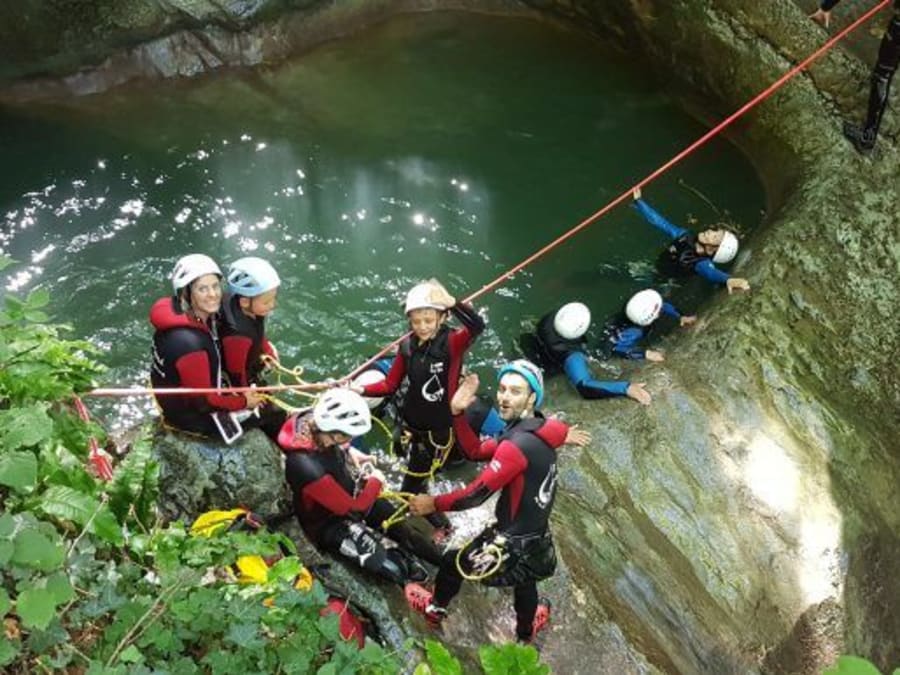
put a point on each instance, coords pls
(522, 466)
(338, 519)
(430, 371)
(186, 354)
(243, 344)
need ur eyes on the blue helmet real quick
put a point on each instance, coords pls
(251, 277)
(532, 374)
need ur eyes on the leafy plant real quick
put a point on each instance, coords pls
(855, 665)
(508, 659)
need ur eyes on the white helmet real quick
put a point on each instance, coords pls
(192, 267)
(644, 307)
(419, 297)
(342, 410)
(727, 249)
(366, 377)
(572, 320)
(251, 277)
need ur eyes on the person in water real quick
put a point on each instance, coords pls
(623, 335)
(253, 288)
(518, 549)
(863, 136)
(340, 513)
(558, 344)
(428, 366)
(186, 351)
(690, 253)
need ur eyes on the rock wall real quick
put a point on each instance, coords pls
(747, 521)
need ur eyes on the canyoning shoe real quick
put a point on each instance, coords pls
(415, 571)
(863, 142)
(540, 621)
(419, 599)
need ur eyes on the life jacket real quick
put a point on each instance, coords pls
(254, 569)
(242, 342)
(426, 404)
(680, 258)
(177, 335)
(552, 347)
(619, 328)
(540, 479)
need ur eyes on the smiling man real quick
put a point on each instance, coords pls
(518, 549)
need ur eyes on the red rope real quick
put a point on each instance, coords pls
(689, 150)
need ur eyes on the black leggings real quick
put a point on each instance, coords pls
(882, 75)
(422, 452)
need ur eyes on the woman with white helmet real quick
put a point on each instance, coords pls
(429, 360)
(186, 349)
(558, 345)
(622, 336)
(252, 290)
(339, 512)
(690, 253)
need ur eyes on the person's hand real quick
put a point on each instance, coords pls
(636, 193)
(421, 505)
(578, 437)
(254, 399)
(465, 394)
(820, 16)
(654, 355)
(377, 475)
(439, 295)
(359, 458)
(637, 392)
(687, 320)
(737, 284)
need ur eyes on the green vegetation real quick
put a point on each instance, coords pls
(854, 665)
(91, 581)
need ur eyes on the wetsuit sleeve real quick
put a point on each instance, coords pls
(391, 381)
(508, 462)
(626, 345)
(327, 492)
(269, 349)
(707, 270)
(669, 310)
(235, 349)
(658, 221)
(469, 442)
(828, 5)
(577, 371)
(193, 371)
(553, 432)
(472, 327)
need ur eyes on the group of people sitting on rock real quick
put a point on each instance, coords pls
(209, 336)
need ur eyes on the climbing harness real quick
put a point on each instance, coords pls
(486, 562)
(441, 453)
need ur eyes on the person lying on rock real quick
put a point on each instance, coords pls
(558, 344)
(252, 290)
(863, 135)
(623, 335)
(517, 550)
(429, 362)
(186, 350)
(690, 253)
(340, 513)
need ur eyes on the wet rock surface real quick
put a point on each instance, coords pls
(747, 521)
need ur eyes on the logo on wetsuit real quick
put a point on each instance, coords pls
(545, 491)
(433, 390)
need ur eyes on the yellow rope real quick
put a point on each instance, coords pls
(387, 432)
(438, 461)
(296, 372)
(401, 512)
(491, 548)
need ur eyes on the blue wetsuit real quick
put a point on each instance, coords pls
(681, 253)
(621, 337)
(554, 352)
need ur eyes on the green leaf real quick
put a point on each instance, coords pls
(4, 602)
(511, 658)
(39, 297)
(35, 607)
(18, 470)
(9, 650)
(66, 503)
(5, 261)
(36, 317)
(60, 588)
(244, 635)
(107, 527)
(852, 665)
(422, 669)
(131, 655)
(25, 426)
(441, 661)
(34, 549)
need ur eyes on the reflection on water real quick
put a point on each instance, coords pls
(436, 145)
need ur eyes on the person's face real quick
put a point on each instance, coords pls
(514, 397)
(329, 439)
(206, 294)
(708, 241)
(424, 323)
(261, 305)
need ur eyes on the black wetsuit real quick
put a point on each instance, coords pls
(186, 354)
(345, 521)
(522, 466)
(882, 76)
